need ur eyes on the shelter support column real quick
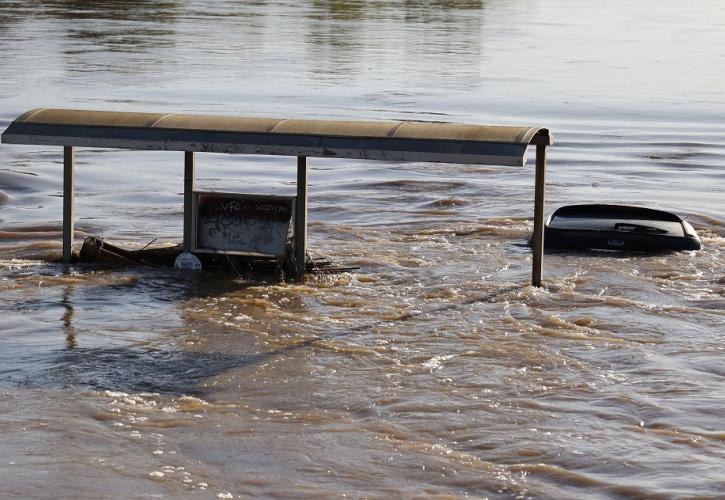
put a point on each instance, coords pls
(68, 202)
(538, 237)
(300, 230)
(189, 180)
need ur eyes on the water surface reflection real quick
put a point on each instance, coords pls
(361, 42)
(433, 370)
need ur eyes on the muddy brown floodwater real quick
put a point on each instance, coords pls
(432, 370)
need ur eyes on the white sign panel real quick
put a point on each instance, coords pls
(243, 224)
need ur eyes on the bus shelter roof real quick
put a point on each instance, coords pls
(367, 140)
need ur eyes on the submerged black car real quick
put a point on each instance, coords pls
(618, 227)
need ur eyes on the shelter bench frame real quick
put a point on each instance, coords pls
(387, 141)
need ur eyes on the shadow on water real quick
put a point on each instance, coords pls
(121, 367)
(130, 368)
(32, 358)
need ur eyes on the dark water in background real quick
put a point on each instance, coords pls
(432, 370)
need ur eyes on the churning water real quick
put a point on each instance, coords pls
(433, 369)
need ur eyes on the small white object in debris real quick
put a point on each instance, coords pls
(187, 260)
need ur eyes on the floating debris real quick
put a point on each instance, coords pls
(98, 251)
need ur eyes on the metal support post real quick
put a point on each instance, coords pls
(68, 203)
(538, 237)
(189, 179)
(300, 231)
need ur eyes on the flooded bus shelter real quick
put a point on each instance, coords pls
(395, 141)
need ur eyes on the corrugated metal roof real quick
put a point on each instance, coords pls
(395, 140)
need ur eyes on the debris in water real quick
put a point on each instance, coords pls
(96, 250)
